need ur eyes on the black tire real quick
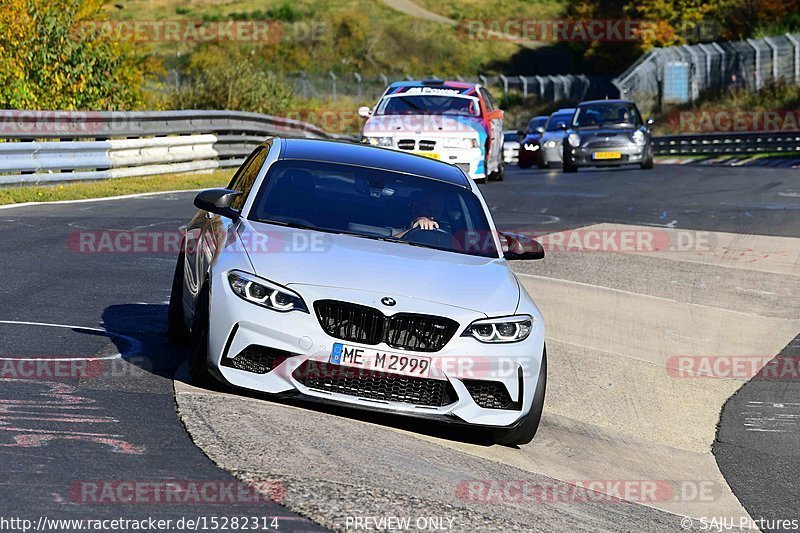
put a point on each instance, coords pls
(647, 164)
(569, 168)
(176, 325)
(525, 431)
(500, 173)
(198, 342)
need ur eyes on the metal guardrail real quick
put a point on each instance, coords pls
(52, 146)
(727, 143)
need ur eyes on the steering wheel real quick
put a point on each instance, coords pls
(432, 237)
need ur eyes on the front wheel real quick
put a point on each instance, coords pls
(500, 173)
(647, 164)
(198, 342)
(526, 430)
(176, 325)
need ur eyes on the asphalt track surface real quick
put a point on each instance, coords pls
(62, 436)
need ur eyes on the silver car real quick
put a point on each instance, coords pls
(553, 137)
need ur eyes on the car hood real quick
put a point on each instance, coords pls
(292, 257)
(604, 132)
(436, 125)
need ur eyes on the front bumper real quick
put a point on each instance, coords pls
(470, 160)
(530, 157)
(461, 366)
(586, 156)
(552, 154)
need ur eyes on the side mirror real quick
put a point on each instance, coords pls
(521, 248)
(540, 129)
(364, 112)
(218, 201)
(497, 114)
(650, 121)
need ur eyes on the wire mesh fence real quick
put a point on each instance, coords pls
(548, 89)
(679, 74)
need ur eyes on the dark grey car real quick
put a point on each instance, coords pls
(607, 133)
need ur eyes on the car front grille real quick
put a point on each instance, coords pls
(406, 144)
(419, 332)
(372, 385)
(350, 322)
(611, 142)
(490, 394)
(367, 325)
(256, 359)
(427, 145)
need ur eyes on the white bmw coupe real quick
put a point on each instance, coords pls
(362, 276)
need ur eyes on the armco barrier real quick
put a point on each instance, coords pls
(50, 146)
(53, 146)
(728, 143)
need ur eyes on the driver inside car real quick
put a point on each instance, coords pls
(427, 212)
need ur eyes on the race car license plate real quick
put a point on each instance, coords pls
(607, 155)
(431, 155)
(380, 361)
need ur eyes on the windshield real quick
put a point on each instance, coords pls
(429, 104)
(607, 114)
(555, 120)
(537, 122)
(374, 204)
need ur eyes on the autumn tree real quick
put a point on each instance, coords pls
(54, 54)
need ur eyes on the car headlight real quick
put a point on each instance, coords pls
(504, 329)
(466, 142)
(574, 140)
(261, 292)
(377, 141)
(550, 144)
(531, 147)
(638, 137)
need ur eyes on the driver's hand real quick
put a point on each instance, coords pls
(425, 223)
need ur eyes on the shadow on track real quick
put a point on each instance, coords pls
(147, 323)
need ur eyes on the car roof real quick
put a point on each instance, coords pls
(348, 153)
(463, 87)
(564, 111)
(615, 101)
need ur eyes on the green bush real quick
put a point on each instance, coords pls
(228, 77)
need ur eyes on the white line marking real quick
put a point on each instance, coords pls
(638, 294)
(106, 198)
(135, 344)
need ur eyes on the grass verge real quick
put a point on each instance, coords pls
(113, 187)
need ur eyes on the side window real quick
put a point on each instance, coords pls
(243, 180)
(487, 100)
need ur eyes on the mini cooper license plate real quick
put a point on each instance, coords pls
(430, 155)
(380, 361)
(607, 155)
